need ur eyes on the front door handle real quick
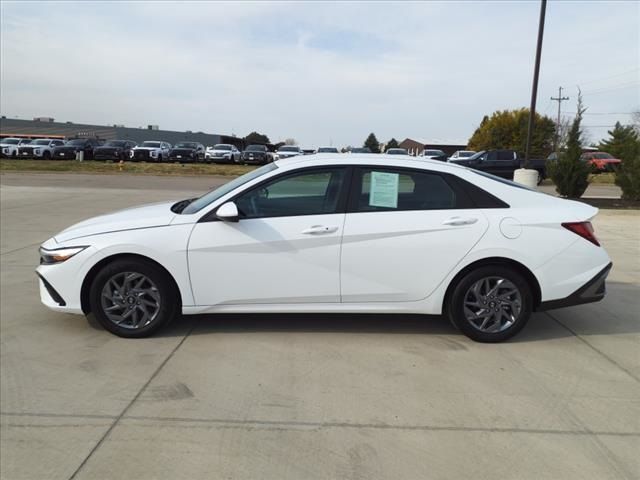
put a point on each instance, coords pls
(455, 221)
(319, 230)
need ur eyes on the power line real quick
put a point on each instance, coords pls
(588, 82)
(622, 86)
(603, 113)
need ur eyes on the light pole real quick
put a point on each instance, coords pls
(534, 90)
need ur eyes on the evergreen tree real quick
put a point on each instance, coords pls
(393, 143)
(624, 143)
(372, 143)
(569, 173)
(622, 139)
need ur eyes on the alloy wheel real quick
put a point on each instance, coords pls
(130, 300)
(492, 304)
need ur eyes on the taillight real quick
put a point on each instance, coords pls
(584, 229)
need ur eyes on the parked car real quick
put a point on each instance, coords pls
(115, 150)
(151, 151)
(434, 155)
(71, 147)
(343, 234)
(257, 154)
(308, 151)
(223, 153)
(327, 150)
(9, 146)
(186, 152)
(41, 148)
(360, 150)
(287, 151)
(601, 161)
(502, 163)
(396, 151)
(461, 154)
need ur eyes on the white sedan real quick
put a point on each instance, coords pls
(329, 234)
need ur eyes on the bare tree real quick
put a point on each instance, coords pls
(290, 141)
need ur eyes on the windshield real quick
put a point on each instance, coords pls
(186, 145)
(288, 149)
(475, 156)
(151, 144)
(434, 152)
(77, 141)
(11, 141)
(397, 151)
(601, 156)
(465, 153)
(115, 143)
(199, 203)
(327, 150)
(222, 147)
(40, 142)
(256, 148)
(361, 150)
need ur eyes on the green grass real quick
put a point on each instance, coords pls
(73, 166)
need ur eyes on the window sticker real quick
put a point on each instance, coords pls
(384, 190)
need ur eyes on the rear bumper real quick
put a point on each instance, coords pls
(592, 291)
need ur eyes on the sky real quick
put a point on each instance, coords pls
(323, 73)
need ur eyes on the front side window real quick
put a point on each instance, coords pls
(395, 190)
(314, 192)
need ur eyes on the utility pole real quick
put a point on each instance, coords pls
(534, 90)
(560, 99)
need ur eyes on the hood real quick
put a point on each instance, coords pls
(146, 216)
(148, 149)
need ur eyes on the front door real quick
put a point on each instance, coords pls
(403, 234)
(284, 249)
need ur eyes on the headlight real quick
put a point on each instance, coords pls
(37, 152)
(153, 153)
(58, 255)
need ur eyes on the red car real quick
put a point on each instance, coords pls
(600, 161)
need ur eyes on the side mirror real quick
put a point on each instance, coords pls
(228, 212)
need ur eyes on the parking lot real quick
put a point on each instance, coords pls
(304, 397)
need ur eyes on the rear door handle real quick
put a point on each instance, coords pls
(455, 221)
(319, 230)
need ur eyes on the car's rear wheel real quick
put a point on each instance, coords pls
(491, 303)
(133, 298)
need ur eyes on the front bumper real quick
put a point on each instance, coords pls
(592, 291)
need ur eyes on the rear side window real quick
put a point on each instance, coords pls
(400, 190)
(505, 155)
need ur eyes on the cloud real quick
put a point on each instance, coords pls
(318, 72)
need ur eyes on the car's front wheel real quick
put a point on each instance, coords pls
(133, 298)
(491, 303)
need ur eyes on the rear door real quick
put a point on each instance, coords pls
(405, 230)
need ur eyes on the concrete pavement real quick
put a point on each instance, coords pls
(303, 397)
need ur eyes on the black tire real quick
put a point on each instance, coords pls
(168, 299)
(46, 155)
(455, 307)
(159, 158)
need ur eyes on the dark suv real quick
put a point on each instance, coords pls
(115, 150)
(68, 150)
(187, 152)
(257, 154)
